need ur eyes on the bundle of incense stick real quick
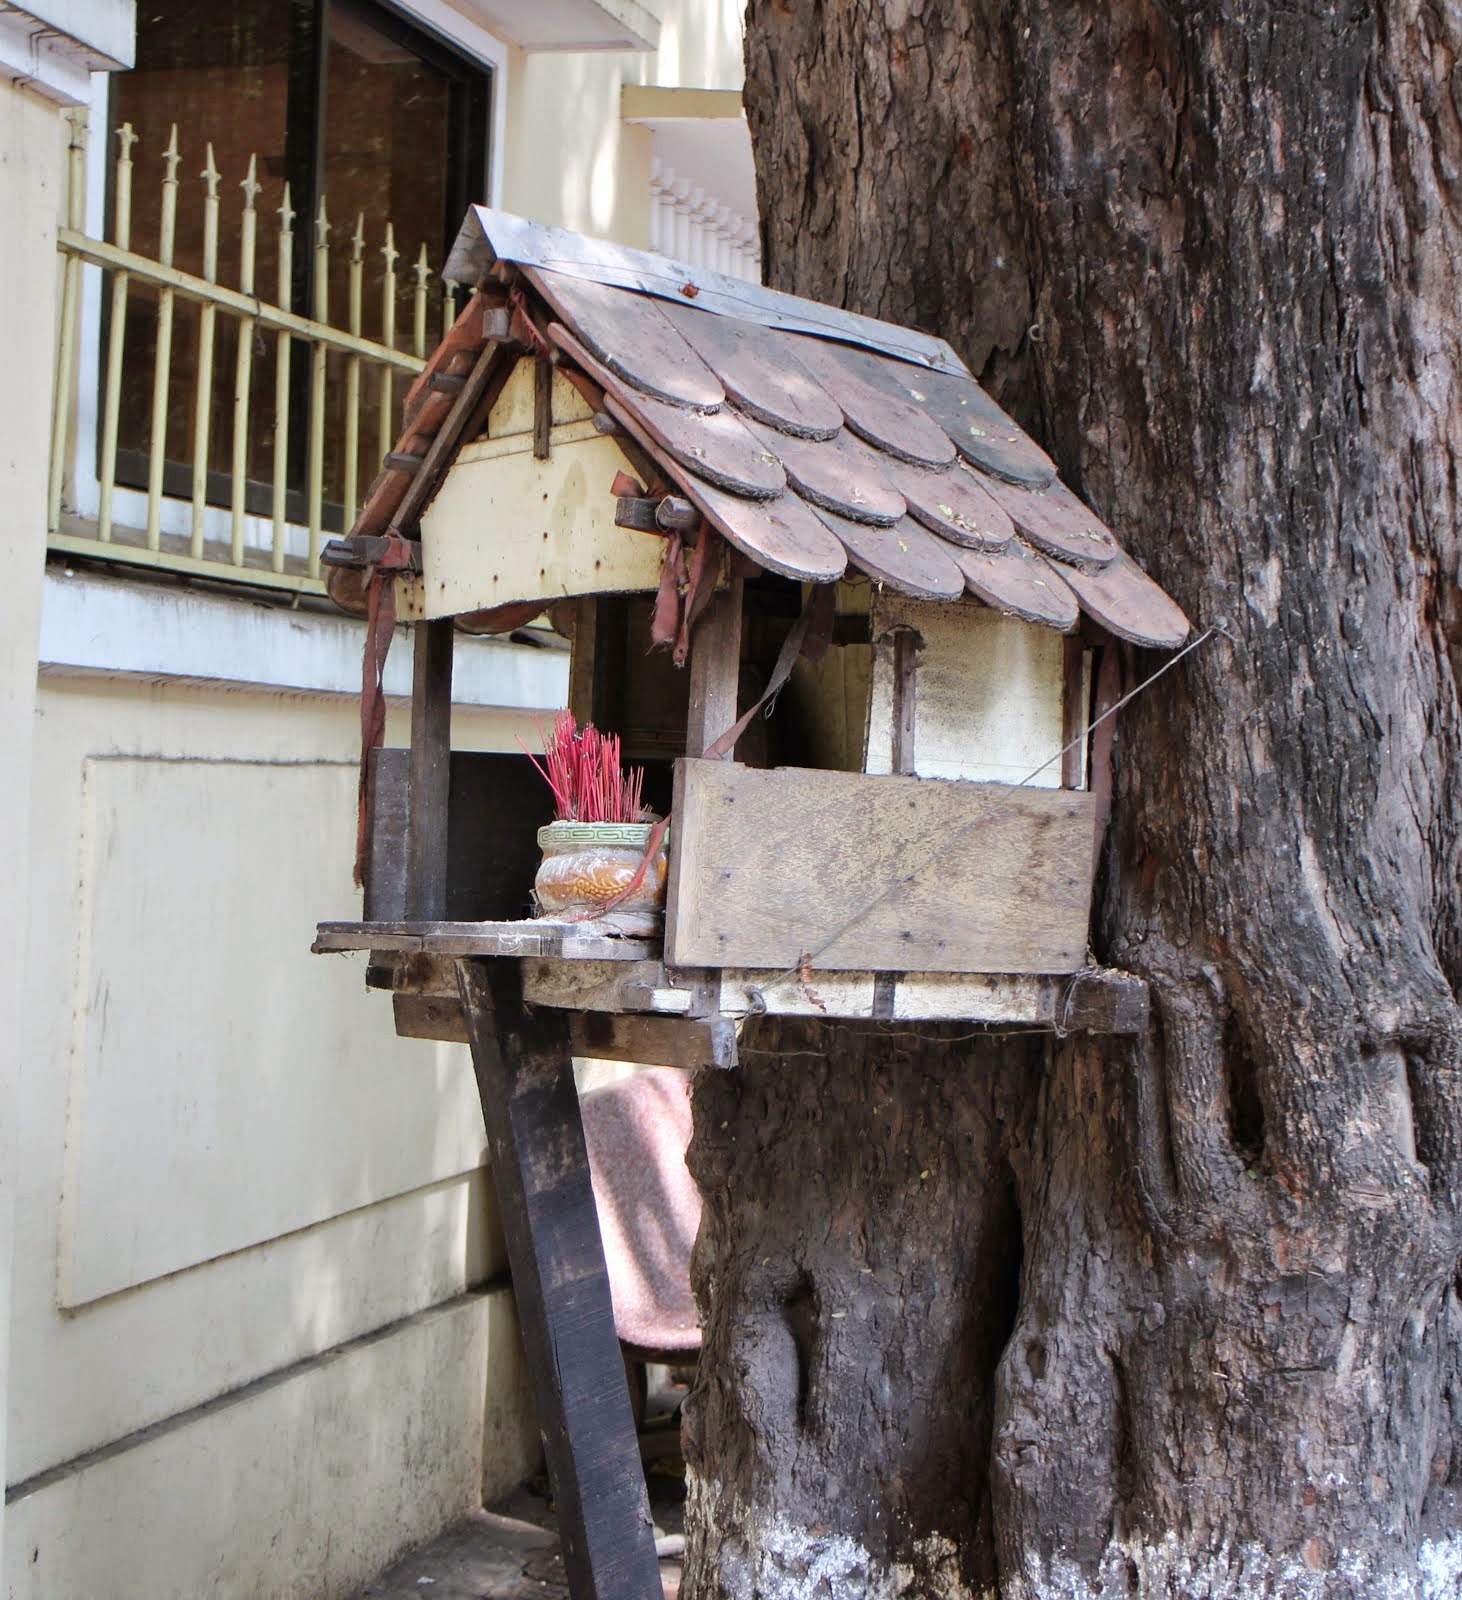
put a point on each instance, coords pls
(581, 766)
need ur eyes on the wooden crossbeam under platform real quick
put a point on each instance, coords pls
(677, 1016)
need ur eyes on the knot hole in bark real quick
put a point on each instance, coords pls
(799, 1312)
(1245, 1104)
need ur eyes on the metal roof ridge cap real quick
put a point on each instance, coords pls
(488, 235)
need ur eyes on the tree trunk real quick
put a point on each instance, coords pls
(1184, 1318)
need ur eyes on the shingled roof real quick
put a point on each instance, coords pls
(813, 440)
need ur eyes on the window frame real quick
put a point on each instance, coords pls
(439, 22)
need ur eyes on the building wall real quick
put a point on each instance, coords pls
(568, 158)
(253, 1228)
(260, 1333)
(30, 165)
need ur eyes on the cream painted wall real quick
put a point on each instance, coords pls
(30, 164)
(230, 1164)
(279, 1491)
(568, 158)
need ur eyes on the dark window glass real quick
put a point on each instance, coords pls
(344, 100)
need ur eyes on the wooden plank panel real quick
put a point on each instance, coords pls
(540, 1167)
(890, 874)
(507, 527)
(559, 940)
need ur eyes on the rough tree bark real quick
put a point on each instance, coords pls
(1183, 1318)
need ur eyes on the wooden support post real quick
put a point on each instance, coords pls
(1075, 710)
(584, 657)
(536, 1140)
(715, 670)
(906, 647)
(431, 750)
(542, 407)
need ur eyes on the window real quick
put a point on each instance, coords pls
(345, 101)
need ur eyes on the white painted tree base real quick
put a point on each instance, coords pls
(772, 1558)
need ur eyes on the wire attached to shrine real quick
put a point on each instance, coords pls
(991, 809)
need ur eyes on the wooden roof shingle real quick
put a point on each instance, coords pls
(810, 438)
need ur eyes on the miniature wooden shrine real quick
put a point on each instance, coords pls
(854, 627)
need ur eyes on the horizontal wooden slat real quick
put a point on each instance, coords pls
(654, 1041)
(876, 874)
(1099, 1000)
(566, 940)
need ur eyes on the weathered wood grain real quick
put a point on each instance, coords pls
(430, 770)
(979, 429)
(783, 535)
(387, 787)
(873, 408)
(715, 669)
(876, 874)
(1129, 604)
(952, 503)
(557, 940)
(655, 1041)
(530, 1108)
(759, 372)
(838, 474)
(592, 985)
(1057, 523)
(906, 557)
(1019, 582)
(429, 1016)
(630, 334)
(714, 445)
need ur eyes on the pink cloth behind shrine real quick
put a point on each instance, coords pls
(637, 1131)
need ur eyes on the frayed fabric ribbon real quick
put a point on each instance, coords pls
(380, 626)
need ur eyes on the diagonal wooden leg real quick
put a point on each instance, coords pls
(536, 1138)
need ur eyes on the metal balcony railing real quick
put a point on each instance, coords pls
(207, 426)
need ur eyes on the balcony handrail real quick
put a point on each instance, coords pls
(96, 253)
(192, 516)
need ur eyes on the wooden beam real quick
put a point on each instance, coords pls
(584, 657)
(1074, 712)
(906, 645)
(535, 1137)
(431, 751)
(715, 669)
(449, 436)
(388, 784)
(430, 1016)
(542, 406)
(654, 1040)
(560, 940)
